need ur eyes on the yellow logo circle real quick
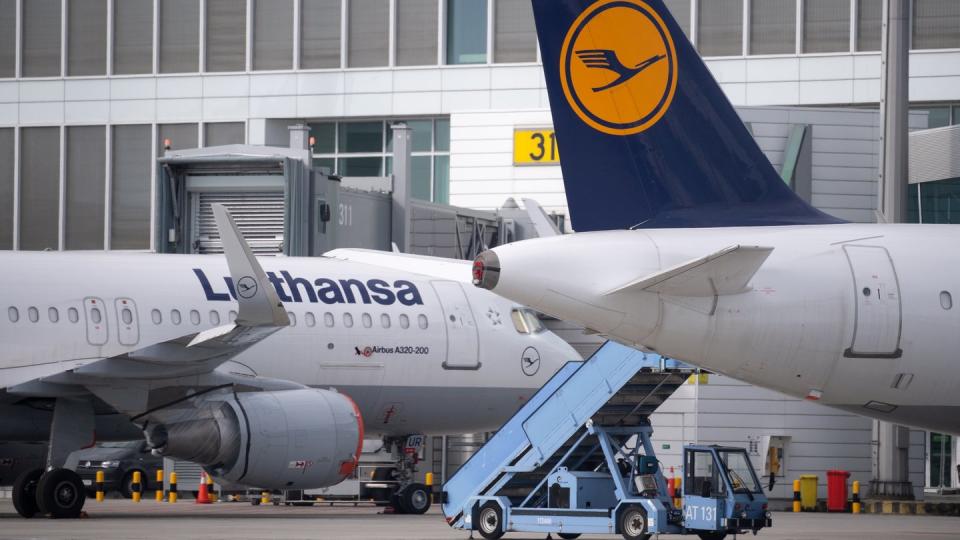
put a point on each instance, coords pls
(618, 66)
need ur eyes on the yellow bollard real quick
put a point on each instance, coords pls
(159, 477)
(173, 488)
(677, 488)
(796, 495)
(210, 492)
(137, 486)
(100, 478)
(264, 497)
(855, 507)
(428, 479)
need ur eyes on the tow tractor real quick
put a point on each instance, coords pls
(578, 458)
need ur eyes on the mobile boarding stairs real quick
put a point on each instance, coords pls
(578, 458)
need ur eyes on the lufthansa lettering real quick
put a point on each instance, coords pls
(329, 291)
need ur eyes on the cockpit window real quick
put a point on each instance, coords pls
(526, 321)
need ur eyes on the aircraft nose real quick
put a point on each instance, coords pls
(558, 352)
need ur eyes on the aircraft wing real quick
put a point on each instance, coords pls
(438, 267)
(727, 271)
(260, 313)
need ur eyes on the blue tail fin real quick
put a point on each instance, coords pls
(647, 138)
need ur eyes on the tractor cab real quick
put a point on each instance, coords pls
(721, 491)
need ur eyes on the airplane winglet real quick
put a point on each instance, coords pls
(727, 271)
(259, 304)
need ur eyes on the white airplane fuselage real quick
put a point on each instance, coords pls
(859, 317)
(417, 355)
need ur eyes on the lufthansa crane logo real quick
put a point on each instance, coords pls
(618, 66)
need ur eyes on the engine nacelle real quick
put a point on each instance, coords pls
(305, 438)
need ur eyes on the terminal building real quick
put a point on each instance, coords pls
(92, 92)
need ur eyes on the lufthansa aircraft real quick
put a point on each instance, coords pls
(184, 347)
(700, 252)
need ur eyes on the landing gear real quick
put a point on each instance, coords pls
(25, 493)
(58, 493)
(413, 499)
(409, 497)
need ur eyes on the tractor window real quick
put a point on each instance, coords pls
(703, 478)
(742, 477)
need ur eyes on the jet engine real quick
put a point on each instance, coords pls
(303, 438)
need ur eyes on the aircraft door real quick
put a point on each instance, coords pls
(128, 328)
(463, 342)
(95, 314)
(877, 323)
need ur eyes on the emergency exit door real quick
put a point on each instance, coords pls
(463, 343)
(877, 322)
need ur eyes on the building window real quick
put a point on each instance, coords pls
(86, 171)
(369, 32)
(936, 24)
(226, 35)
(869, 15)
(40, 47)
(179, 36)
(466, 31)
(937, 116)
(87, 37)
(221, 133)
(515, 35)
(720, 32)
(6, 187)
(39, 188)
(8, 38)
(130, 189)
(180, 136)
(773, 26)
(826, 26)
(366, 149)
(417, 30)
(133, 37)
(680, 9)
(272, 34)
(319, 34)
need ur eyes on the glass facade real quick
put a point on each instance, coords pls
(513, 40)
(84, 190)
(133, 37)
(773, 26)
(272, 28)
(365, 148)
(869, 15)
(369, 33)
(466, 31)
(826, 26)
(680, 9)
(417, 27)
(720, 31)
(934, 202)
(87, 37)
(936, 24)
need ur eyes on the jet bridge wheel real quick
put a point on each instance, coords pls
(61, 494)
(633, 523)
(490, 521)
(25, 493)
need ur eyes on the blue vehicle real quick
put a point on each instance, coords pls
(578, 458)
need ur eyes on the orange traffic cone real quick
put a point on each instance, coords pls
(202, 496)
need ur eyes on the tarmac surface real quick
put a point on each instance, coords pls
(241, 521)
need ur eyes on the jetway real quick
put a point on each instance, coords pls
(283, 204)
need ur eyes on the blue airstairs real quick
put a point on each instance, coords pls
(617, 388)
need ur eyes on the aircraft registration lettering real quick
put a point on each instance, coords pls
(329, 291)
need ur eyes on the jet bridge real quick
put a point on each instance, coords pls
(578, 458)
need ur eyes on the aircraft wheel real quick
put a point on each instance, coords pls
(490, 521)
(414, 499)
(25, 493)
(633, 523)
(61, 494)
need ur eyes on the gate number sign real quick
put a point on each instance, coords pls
(535, 146)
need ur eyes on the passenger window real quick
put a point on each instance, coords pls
(73, 315)
(404, 321)
(946, 300)
(385, 320)
(214, 317)
(53, 314)
(328, 320)
(95, 315)
(13, 313)
(348, 320)
(33, 313)
(175, 316)
(232, 316)
(367, 320)
(127, 316)
(194, 316)
(293, 318)
(422, 322)
(310, 319)
(156, 316)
